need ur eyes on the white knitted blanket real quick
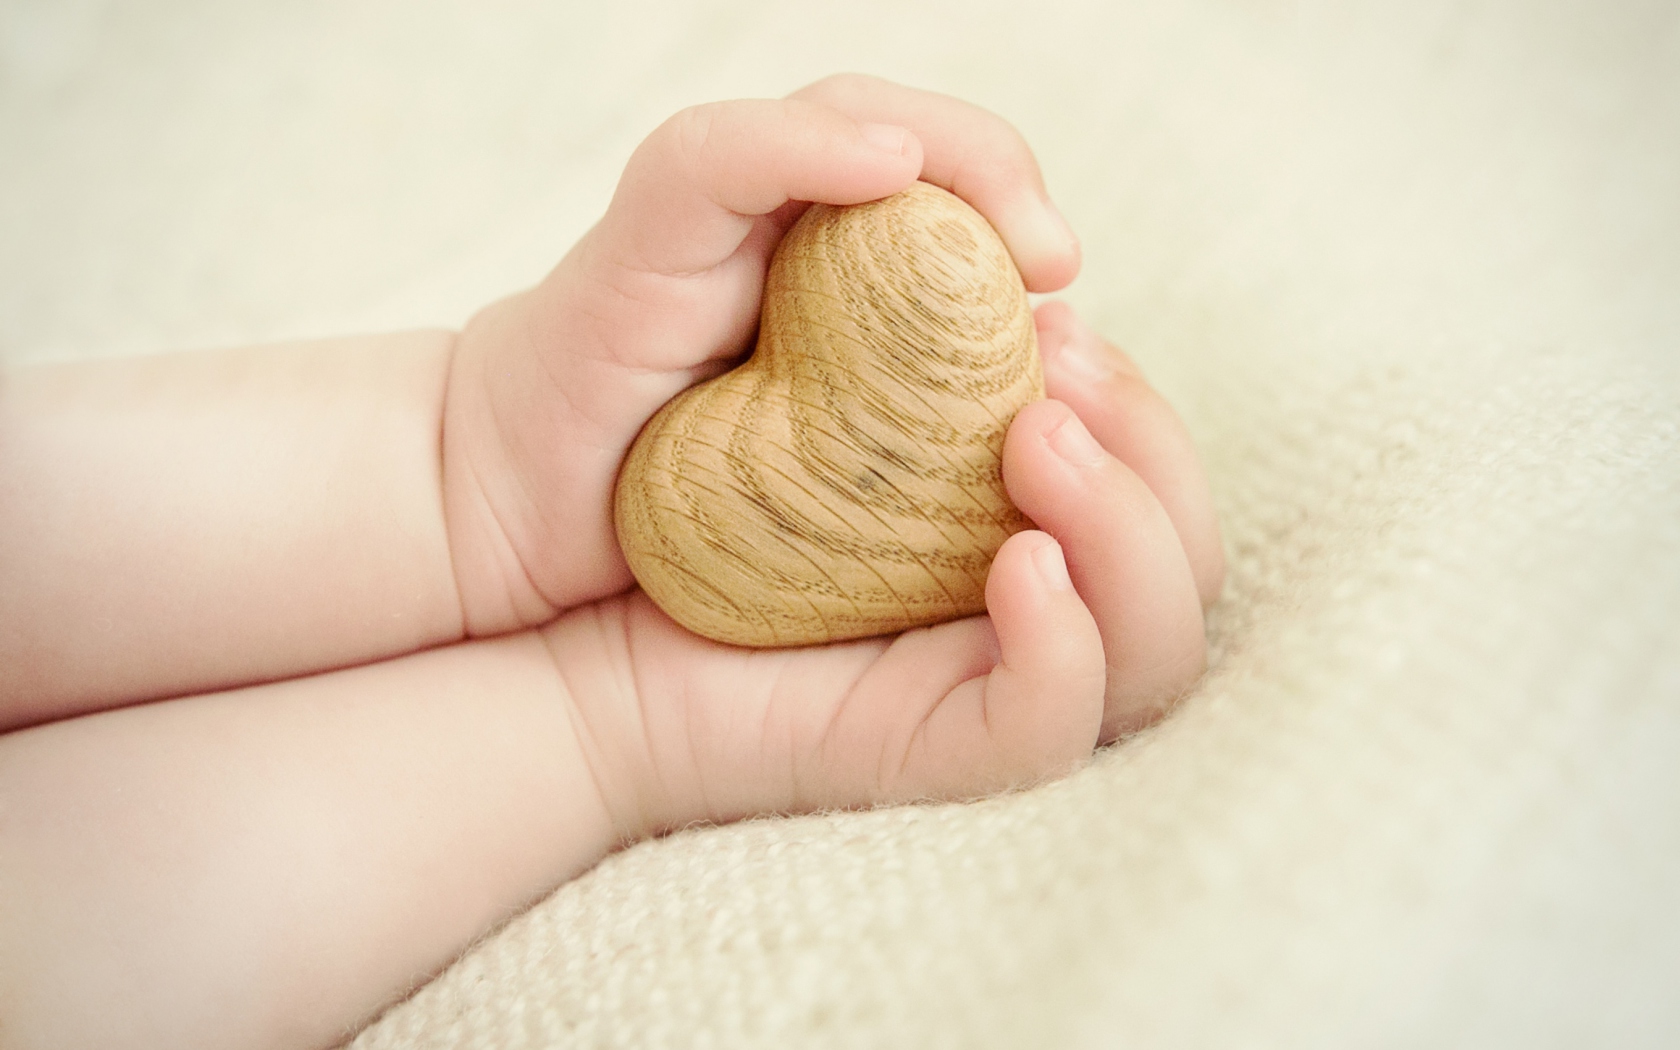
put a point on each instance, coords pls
(1412, 275)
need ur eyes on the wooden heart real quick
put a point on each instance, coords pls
(845, 480)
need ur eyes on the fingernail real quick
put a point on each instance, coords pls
(1053, 342)
(1080, 352)
(1052, 567)
(1041, 242)
(888, 138)
(1058, 225)
(1051, 231)
(1074, 443)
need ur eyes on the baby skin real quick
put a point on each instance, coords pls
(317, 662)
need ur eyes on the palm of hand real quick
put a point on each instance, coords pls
(699, 731)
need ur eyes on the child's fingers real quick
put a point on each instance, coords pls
(978, 156)
(691, 191)
(1036, 714)
(1137, 426)
(1039, 711)
(1124, 556)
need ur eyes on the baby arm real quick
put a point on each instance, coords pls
(270, 866)
(195, 522)
(191, 521)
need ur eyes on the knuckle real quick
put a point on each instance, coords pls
(1001, 158)
(836, 88)
(694, 130)
(691, 132)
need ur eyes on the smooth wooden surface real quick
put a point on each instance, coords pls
(844, 481)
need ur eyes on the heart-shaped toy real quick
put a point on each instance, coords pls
(845, 480)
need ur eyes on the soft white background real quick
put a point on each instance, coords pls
(1410, 271)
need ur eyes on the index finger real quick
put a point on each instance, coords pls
(978, 156)
(693, 189)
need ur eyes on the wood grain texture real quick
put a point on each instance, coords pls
(845, 480)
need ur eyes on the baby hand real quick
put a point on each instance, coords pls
(1094, 627)
(550, 387)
